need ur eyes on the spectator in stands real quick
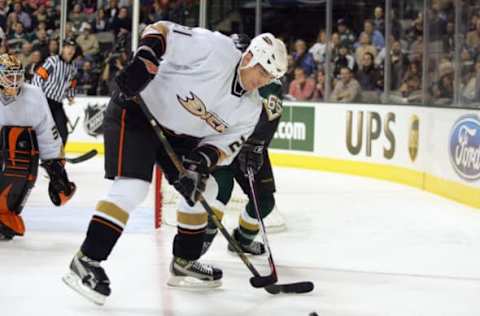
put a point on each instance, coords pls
(16, 38)
(410, 91)
(379, 20)
(334, 45)
(88, 42)
(101, 21)
(471, 93)
(347, 88)
(416, 49)
(53, 47)
(87, 79)
(319, 92)
(398, 63)
(473, 37)
(19, 15)
(115, 63)
(442, 90)
(343, 59)
(414, 69)
(416, 29)
(437, 22)
(370, 79)
(39, 15)
(347, 38)
(364, 46)
(112, 10)
(302, 58)
(77, 17)
(302, 87)
(449, 39)
(121, 23)
(377, 38)
(31, 68)
(25, 53)
(318, 50)
(41, 42)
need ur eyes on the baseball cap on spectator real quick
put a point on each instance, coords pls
(342, 21)
(445, 68)
(85, 26)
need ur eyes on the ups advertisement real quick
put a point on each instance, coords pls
(374, 134)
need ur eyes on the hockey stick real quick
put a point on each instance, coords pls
(257, 280)
(298, 287)
(89, 154)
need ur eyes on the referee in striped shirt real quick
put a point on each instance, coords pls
(56, 78)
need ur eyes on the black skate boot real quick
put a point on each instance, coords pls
(193, 274)
(6, 233)
(248, 246)
(88, 278)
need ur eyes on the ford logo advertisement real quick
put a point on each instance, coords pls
(464, 147)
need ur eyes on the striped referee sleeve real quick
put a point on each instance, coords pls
(56, 78)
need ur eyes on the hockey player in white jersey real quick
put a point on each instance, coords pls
(27, 133)
(203, 92)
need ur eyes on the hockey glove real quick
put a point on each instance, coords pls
(197, 165)
(251, 156)
(60, 189)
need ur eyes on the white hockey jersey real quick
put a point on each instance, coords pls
(30, 109)
(197, 92)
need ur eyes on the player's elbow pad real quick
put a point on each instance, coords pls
(138, 73)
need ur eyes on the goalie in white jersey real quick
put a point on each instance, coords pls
(203, 92)
(27, 133)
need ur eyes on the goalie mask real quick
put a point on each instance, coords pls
(270, 53)
(11, 76)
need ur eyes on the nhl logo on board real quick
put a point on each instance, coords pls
(93, 119)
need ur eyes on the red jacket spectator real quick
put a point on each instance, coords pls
(301, 88)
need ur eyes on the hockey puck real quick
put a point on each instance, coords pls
(313, 314)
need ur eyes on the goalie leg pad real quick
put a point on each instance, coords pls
(18, 172)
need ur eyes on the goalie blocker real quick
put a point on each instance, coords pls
(19, 160)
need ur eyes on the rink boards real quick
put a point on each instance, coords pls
(435, 149)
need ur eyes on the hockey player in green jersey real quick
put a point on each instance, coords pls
(254, 155)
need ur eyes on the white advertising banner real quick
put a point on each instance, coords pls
(421, 142)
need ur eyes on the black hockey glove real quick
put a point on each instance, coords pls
(136, 75)
(197, 165)
(251, 156)
(60, 189)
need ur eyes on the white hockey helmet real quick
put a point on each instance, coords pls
(11, 75)
(270, 53)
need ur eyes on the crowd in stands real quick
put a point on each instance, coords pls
(357, 59)
(30, 28)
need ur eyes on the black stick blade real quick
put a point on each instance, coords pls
(90, 154)
(295, 288)
(263, 281)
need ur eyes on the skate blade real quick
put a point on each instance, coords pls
(74, 282)
(192, 283)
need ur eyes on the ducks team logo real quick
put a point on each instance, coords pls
(195, 105)
(464, 147)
